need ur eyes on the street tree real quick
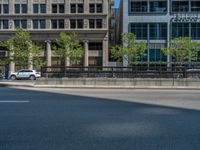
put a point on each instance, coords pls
(130, 50)
(22, 50)
(68, 48)
(183, 49)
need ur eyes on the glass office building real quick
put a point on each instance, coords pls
(157, 22)
(45, 19)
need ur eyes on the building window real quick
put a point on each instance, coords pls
(4, 24)
(21, 8)
(24, 23)
(195, 31)
(95, 61)
(180, 6)
(92, 8)
(35, 24)
(17, 23)
(35, 8)
(54, 24)
(95, 23)
(180, 29)
(20, 23)
(61, 23)
(92, 23)
(57, 23)
(39, 8)
(95, 8)
(72, 23)
(158, 6)
(2, 54)
(58, 8)
(99, 8)
(195, 6)
(24, 8)
(138, 6)
(95, 46)
(61, 8)
(76, 23)
(98, 23)
(5, 8)
(54, 8)
(42, 23)
(77, 8)
(17, 8)
(73, 8)
(43, 8)
(140, 30)
(157, 31)
(80, 23)
(156, 55)
(39, 24)
(80, 8)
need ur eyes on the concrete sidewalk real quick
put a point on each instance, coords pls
(9, 83)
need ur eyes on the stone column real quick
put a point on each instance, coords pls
(67, 62)
(30, 7)
(86, 24)
(86, 6)
(12, 67)
(12, 64)
(67, 7)
(30, 62)
(105, 51)
(105, 6)
(48, 10)
(86, 53)
(48, 53)
(67, 23)
(48, 5)
(11, 6)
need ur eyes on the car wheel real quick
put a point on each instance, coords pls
(32, 77)
(13, 77)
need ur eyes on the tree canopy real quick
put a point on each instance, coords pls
(183, 49)
(20, 48)
(130, 49)
(68, 47)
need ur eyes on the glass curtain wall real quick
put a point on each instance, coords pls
(157, 31)
(145, 6)
(180, 6)
(185, 6)
(183, 29)
(158, 6)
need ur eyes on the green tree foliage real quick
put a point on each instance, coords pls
(130, 50)
(68, 47)
(183, 49)
(35, 51)
(20, 48)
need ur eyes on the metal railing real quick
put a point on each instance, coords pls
(120, 72)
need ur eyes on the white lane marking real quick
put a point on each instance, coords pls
(13, 101)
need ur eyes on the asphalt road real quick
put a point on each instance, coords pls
(92, 119)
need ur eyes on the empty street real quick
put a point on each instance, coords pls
(99, 119)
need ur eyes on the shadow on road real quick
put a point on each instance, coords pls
(53, 121)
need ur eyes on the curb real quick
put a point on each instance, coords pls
(33, 85)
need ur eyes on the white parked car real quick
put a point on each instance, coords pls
(25, 74)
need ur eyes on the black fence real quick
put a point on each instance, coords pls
(121, 72)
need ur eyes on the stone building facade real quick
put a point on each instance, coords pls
(45, 19)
